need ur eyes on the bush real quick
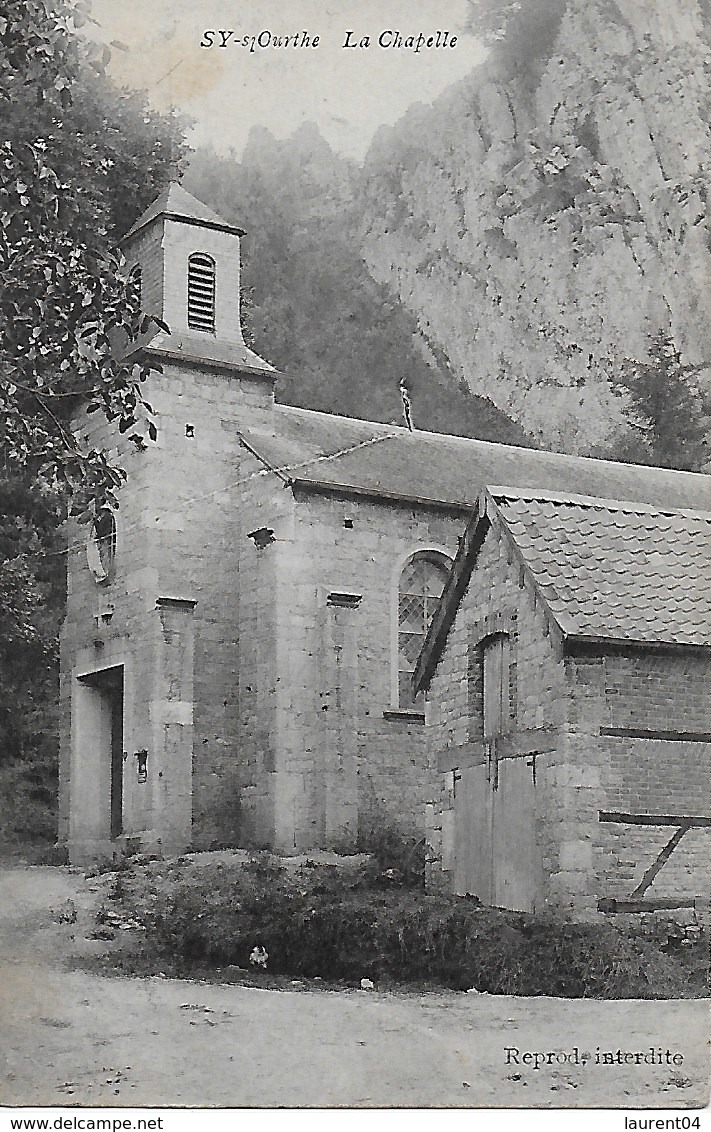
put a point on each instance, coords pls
(321, 921)
(28, 802)
(397, 858)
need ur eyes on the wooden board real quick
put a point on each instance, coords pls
(473, 869)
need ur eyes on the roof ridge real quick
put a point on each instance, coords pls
(499, 492)
(300, 409)
(593, 461)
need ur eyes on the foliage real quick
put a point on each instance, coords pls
(79, 160)
(398, 856)
(28, 796)
(332, 923)
(670, 414)
(343, 340)
(31, 579)
(65, 297)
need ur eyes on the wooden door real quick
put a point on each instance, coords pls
(496, 856)
(517, 864)
(495, 853)
(473, 811)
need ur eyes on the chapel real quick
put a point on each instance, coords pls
(241, 636)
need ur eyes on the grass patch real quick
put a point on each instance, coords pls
(320, 921)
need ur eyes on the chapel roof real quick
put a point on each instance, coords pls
(326, 451)
(178, 204)
(605, 570)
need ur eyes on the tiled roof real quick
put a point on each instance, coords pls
(175, 201)
(385, 460)
(606, 570)
(613, 570)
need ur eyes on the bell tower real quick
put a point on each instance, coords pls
(151, 640)
(186, 260)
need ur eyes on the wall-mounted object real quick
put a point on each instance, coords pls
(101, 547)
(262, 538)
(141, 758)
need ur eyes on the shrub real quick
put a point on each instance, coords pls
(28, 801)
(321, 921)
(398, 857)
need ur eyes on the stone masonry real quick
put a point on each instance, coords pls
(576, 693)
(233, 678)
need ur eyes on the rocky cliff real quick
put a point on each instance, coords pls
(547, 216)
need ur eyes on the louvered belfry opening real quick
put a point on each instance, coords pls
(201, 292)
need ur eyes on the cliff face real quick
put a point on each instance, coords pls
(548, 214)
(343, 341)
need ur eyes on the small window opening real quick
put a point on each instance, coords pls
(496, 663)
(201, 293)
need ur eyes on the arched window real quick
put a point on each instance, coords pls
(419, 590)
(201, 292)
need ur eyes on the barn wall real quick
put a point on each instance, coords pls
(588, 772)
(664, 694)
(498, 595)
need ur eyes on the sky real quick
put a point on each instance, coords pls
(348, 92)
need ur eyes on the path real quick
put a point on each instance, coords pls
(72, 1038)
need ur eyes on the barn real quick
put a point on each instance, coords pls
(568, 666)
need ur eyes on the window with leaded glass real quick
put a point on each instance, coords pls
(421, 584)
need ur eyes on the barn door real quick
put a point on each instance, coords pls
(495, 853)
(517, 866)
(473, 811)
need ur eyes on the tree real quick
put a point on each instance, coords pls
(344, 341)
(669, 413)
(79, 161)
(65, 295)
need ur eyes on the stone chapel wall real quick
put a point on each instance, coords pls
(178, 537)
(320, 606)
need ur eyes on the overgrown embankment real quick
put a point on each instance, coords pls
(347, 924)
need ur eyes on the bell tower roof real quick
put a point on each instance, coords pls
(176, 203)
(185, 260)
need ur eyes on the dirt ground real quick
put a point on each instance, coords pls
(73, 1038)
